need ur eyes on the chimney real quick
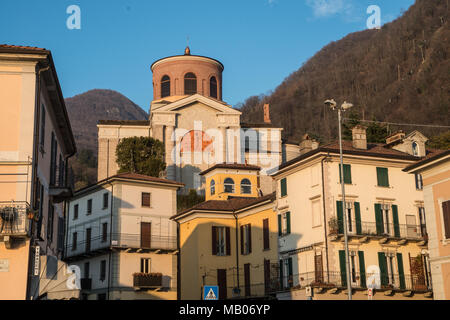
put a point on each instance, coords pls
(267, 113)
(359, 137)
(308, 144)
(395, 137)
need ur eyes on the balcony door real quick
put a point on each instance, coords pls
(88, 239)
(318, 268)
(411, 227)
(146, 231)
(222, 283)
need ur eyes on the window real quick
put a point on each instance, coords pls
(422, 220)
(75, 212)
(284, 223)
(353, 267)
(89, 206)
(347, 174)
(246, 186)
(419, 181)
(266, 234)
(246, 239)
(145, 265)
(54, 150)
(212, 187)
(283, 187)
(51, 218)
(145, 200)
(165, 86)
(221, 241)
(190, 84)
(102, 270)
(104, 232)
(229, 185)
(415, 149)
(446, 218)
(382, 177)
(88, 239)
(105, 200)
(286, 275)
(42, 134)
(60, 244)
(86, 270)
(61, 171)
(74, 241)
(316, 213)
(213, 87)
(385, 214)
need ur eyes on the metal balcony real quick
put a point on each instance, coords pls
(147, 280)
(14, 222)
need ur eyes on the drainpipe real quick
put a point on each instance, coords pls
(237, 249)
(325, 216)
(110, 240)
(178, 263)
(34, 163)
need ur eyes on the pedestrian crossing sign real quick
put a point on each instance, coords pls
(211, 293)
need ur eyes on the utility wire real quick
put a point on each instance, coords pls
(400, 124)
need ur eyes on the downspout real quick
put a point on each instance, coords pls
(178, 262)
(237, 249)
(324, 217)
(37, 112)
(110, 240)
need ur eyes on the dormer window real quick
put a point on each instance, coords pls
(415, 149)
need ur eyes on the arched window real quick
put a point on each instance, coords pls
(213, 87)
(190, 84)
(229, 185)
(212, 187)
(415, 149)
(246, 186)
(165, 86)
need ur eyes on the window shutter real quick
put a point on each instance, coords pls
(379, 219)
(288, 222)
(228, 244)
(362, 269)
(383, 177)
(401, 272)
(242, 239)
(347, 173)
(214, 241)
(446, 218)
(281, 275)
(340, 216)
(383, 268)
(249, 238)
(358, 218)
(266, 234)
(395, 220)
(290, 278)
(279, 225)
(342, 266)
(283, 187)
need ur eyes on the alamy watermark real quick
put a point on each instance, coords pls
(74, 20)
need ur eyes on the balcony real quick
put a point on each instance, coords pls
(14, 220)
(147, 280)
(86, 283)
(60, 188)
(378, 230)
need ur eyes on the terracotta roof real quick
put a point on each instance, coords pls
(227, 206)
(258, 125)
(25, 48)
(379, 150)
(125, 122)
(238, 166)
(434, 155)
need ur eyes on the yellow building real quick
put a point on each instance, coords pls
(36, 142)
(384, 207)
(230, 240)
(435, 172)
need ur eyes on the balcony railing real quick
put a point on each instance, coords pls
(390, 230)
(14, 218)
(336, 279)
(86, 283)
(147, 280)
(119, 240)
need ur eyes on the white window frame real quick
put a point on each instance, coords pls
(221, 241)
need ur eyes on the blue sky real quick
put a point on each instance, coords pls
(260, 42)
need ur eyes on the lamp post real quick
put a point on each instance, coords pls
(333, 105)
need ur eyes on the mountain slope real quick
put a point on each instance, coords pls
(86, 109)
(398, 74)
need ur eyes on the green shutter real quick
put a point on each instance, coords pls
(358, 218)
(401, 272)
(280, 232)
(347, 173)
(340, 217)
(362, 269)
(343, 270)
(383, 268)
(283, 183)
(395, 220)
(379, 219)
(288, 222)
(281, 275)
(382, 177)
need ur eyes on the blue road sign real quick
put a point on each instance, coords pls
(211, 293)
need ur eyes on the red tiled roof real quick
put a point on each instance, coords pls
(239, 166)
(8, 46)
(125, 122)
(227, 206)
(434, 155)
(136, 176)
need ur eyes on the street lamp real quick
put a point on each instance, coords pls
(345, 106)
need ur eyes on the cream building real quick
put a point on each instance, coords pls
(197, 128)
(36, 142)
(120, 236)
(385, 208)
(434, 171)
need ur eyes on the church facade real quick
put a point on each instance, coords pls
(197, 128)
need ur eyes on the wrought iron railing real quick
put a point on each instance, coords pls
(147, 280)
(391, 230)
(14, 218)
